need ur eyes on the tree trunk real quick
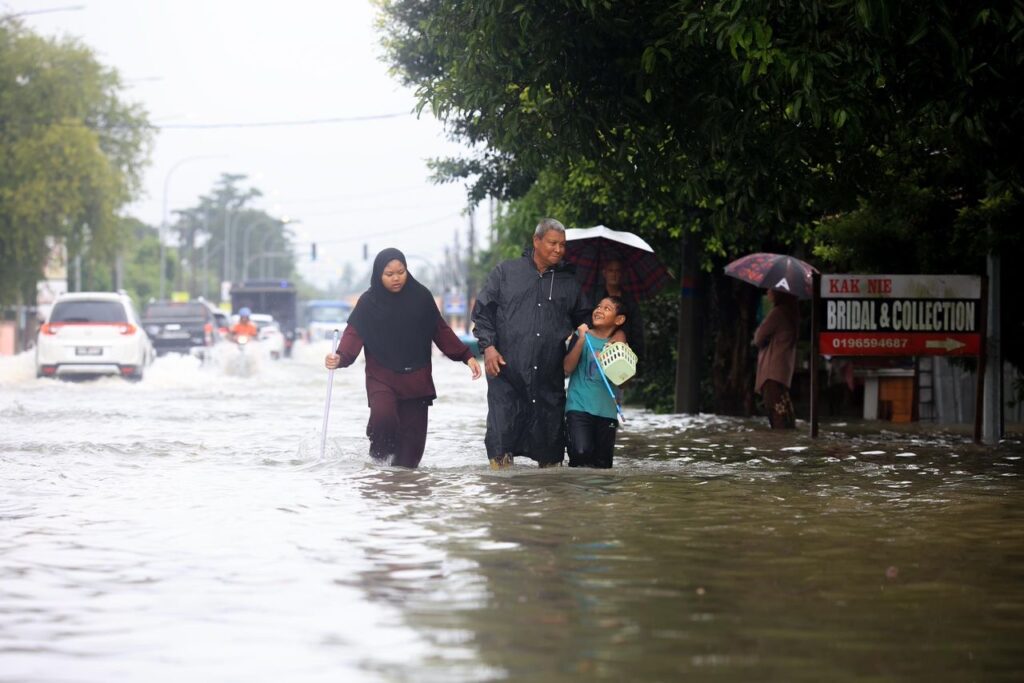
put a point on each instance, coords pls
(689, 344)
(733, 313)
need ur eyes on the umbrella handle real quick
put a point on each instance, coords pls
(611, 392)
(327, 403)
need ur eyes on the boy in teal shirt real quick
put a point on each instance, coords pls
(590, 412)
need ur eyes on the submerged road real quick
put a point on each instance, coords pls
(183, 528)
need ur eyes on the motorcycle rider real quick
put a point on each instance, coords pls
(244, 326)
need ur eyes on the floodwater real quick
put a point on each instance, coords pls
(183, 528)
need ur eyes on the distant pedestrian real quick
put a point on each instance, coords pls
(590, 409)
(396, 320)
(526, 310)
(775, 340)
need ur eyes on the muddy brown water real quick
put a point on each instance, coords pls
(184, 528)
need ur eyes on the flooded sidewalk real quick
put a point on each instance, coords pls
(184, 528)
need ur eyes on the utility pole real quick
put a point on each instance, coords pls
(992, 414)
(469, 268)
(492, 206)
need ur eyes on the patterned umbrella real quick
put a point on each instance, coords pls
(774, 271)
(643, 273)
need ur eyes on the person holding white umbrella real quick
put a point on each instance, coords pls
(620, 264)
(611, 275)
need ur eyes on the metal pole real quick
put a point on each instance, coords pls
(979, 395)
(246, 235)
(163, 216)
(469, 270)
(815, 303)
(327, 403)
(225, 271)
(206, 267)
(992, 420)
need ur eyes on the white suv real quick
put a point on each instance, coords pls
(92, 333)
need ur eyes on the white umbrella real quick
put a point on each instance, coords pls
(620, 236)
(643, 274)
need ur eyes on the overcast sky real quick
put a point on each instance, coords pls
(205, 62)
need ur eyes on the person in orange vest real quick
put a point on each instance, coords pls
(244, 326)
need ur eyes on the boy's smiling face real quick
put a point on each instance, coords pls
(606, 315)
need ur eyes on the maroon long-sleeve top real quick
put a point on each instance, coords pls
(416, 384)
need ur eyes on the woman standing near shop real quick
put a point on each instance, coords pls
(396, 320)
(775, 340)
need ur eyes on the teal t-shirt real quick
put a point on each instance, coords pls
(587, 392)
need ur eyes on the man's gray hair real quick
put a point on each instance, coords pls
(547, 224)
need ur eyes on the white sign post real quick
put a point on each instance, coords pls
(899, 315)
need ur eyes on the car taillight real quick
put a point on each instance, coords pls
(208, 333)
(128, 328)
(49, 328)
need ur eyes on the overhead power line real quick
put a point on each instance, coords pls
(273, 124)
(381, 233)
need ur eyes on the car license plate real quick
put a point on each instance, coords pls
(175, 335)
(89, 350)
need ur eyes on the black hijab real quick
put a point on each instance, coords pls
(396, 328)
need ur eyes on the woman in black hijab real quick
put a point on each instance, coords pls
(396, 320)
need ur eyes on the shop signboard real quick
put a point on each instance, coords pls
(900, 315)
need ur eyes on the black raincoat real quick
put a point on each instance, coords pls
(527, 316)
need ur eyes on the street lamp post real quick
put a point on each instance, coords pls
(163, 220)
(247, 238)
(228, 223)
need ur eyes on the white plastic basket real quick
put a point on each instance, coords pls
(618, 362)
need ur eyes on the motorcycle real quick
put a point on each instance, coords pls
(243, 365)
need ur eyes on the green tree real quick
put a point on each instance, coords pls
(71, 151)
(224, 238)
(730, 126)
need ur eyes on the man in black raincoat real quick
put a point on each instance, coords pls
(522, 317)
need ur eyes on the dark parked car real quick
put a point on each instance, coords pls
(223, 322)
(188, 327)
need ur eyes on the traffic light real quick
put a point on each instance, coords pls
(366, 252)
(312, 252)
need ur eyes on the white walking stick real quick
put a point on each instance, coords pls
(327, 404)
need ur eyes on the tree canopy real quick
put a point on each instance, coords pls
(71, 151)
(841, 126)
(224, 238)
(760, 113)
